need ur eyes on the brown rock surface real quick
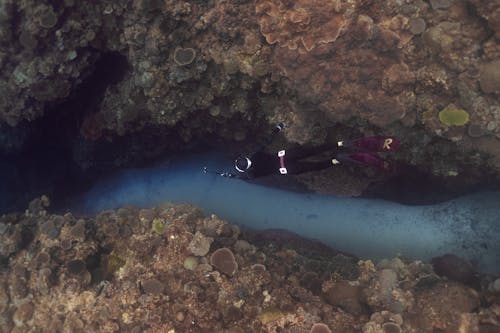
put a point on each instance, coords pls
(139, 283)
(371, 66)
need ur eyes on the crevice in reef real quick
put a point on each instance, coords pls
(53, 171)
(412, 186)
(96, 265)
(43, 160)
(56, 160)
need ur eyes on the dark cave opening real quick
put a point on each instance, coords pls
(43, 163)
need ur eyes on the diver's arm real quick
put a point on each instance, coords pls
(242, 175)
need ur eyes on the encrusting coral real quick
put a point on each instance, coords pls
(223, 260)
(298, 25)
(453, 116)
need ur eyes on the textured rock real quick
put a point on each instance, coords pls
(279, 285)
(490, 10)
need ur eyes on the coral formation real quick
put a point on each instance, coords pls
(200, 244)
(183, 57)
(299, 25)
(223, 260)
(377, 69)
(223, 71)
(320, 328)
(158, 226)
(153, 286)
(453, 116)
(279, 285)
(489, 77)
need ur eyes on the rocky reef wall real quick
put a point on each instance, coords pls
(426, 71)
(172, 269)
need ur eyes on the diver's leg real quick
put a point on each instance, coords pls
(304, 152)
(298, 167)
(373, 143)
(365, 159)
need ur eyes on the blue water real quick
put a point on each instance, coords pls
(468, 226)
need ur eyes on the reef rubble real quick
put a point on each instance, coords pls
(173, 269)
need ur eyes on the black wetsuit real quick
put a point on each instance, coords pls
(294, 161)
(265, 164)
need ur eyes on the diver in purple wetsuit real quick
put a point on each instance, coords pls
(293, 161)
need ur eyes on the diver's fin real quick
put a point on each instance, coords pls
(373, 143)
(365, 159)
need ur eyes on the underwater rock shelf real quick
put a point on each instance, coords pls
(90, 87)
(173, 269)
(426, 71)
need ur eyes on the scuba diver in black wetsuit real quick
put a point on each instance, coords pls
(292, 161)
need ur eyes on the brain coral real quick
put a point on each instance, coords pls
(302, 24)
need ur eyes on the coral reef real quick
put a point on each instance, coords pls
(46, 50)
(171, 70)
(375, 70)
(224, 70)
(195, 71)
(299, 25)
(114, 272)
